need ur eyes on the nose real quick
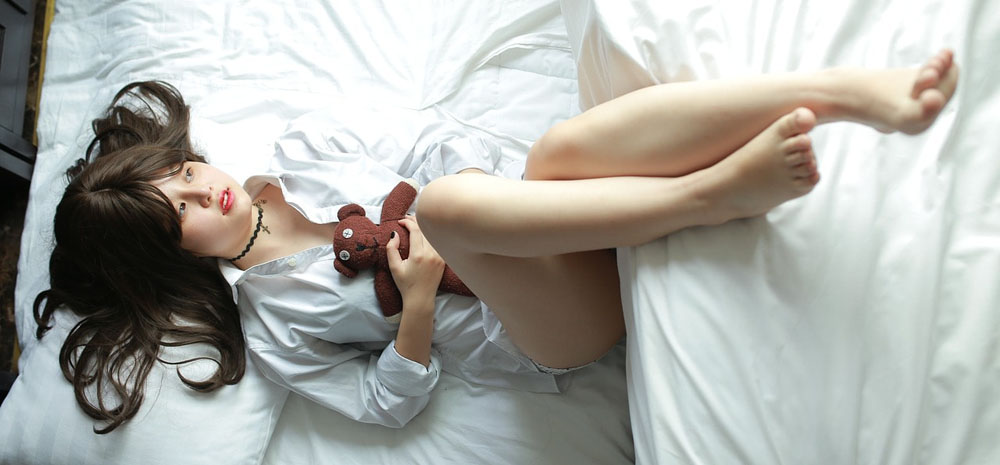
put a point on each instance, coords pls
(202, 195)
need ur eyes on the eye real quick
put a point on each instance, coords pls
(188, 174)
(181, 209)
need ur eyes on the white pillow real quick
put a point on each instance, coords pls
(41, 423)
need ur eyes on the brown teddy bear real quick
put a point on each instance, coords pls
(361, 244)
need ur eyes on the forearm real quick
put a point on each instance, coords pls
(416, 329)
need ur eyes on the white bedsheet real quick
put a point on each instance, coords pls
(247, 68)
(860, 324)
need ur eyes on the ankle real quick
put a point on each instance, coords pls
(839, 96)
(709, 194)
(854, 95)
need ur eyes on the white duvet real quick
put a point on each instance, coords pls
(859, 324)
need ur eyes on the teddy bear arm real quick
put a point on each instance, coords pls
(451, 283)
(387, 294)
(398, 202)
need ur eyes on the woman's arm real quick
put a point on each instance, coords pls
(413, 340)
(383, 390)
(417, 278)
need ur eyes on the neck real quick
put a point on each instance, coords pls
(290, 232)
(258, 228)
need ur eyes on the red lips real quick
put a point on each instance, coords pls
(226, 200)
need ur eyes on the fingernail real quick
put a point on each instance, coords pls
(392, 234)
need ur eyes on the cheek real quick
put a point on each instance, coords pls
(190, 238)
(195, 237)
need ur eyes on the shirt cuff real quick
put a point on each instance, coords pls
(404, 376)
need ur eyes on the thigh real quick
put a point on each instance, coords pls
(563, 311)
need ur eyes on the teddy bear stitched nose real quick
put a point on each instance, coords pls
(360, 247)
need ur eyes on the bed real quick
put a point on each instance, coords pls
(855, 325)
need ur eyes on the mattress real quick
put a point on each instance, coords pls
(247, 69)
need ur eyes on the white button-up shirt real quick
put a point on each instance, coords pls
(322, 334)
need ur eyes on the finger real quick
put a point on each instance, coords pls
(416, 236)
(410, 223)
(392, 252)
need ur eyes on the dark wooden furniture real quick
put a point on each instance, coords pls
(17, 154)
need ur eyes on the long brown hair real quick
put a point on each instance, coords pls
(119, 265)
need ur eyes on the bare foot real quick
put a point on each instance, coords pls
(906, 100)
(775, 166)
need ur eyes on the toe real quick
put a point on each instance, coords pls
(927, 78)
(804, 170)
(799, 143)
(936, 63)
(806, 183)
(796, 158)
(797, 122)
(947, 57)
(814, 178)
(931, 102)
(949, 81)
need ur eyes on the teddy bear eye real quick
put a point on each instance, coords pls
(348, 233)
(345, 255)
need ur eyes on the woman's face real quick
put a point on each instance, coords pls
(217, 217)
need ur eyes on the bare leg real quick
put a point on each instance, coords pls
(494, 215)
(563, 311)
(675, 129)
(532, 250)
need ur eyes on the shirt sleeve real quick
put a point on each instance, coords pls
(387, 390)
(301, 324)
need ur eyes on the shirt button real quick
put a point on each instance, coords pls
(292, 262)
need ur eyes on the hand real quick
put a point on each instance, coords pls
(419, 275)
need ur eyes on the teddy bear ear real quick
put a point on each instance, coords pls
(350, 210)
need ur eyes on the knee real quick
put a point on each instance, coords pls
(553, 153)
(443, 203)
